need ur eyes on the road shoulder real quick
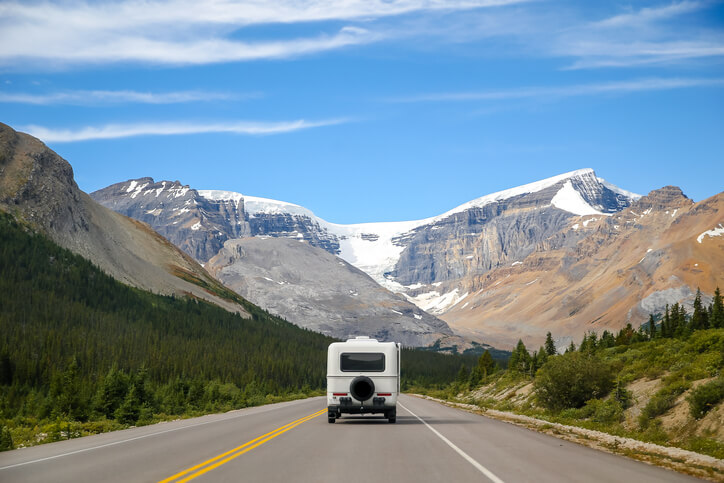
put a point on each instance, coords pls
(683, 461)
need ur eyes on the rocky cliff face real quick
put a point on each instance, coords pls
(471, 239)
(319, 291)
(191, 222)
(479, 238)
(200, 222)
(599, 272)
(37, 186)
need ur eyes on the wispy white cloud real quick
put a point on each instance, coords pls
(645, 37)
(558, 92)
(598, 54)
(188, 31)
(83, 97)
(164, 50)
(117, 131)
(648, 15)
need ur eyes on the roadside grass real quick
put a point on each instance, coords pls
(677, 363)
(31, 431)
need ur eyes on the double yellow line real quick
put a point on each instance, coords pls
(215, 462)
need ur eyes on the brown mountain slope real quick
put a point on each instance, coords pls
(37, 186)
(599, 273)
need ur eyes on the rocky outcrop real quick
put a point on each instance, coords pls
(480, 238)
(200, 225)
(317, 290)
(37, 186)
(598, 273)
(196, 225)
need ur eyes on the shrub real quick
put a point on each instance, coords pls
(6, 439)
(606, 411)
(705, 397)
(568, 381)
(661, 402)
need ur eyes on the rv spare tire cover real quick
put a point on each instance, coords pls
(362, 388)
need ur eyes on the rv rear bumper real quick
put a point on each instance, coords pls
(349, 406)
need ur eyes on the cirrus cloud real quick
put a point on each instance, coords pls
(98, 97)
(188, 32)
(117, 131)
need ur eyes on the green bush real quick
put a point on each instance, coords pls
(606, 411)
(705, 397)
(661, 402)
(568, 381)
(6, 439)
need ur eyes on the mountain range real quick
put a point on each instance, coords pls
(469, 266)
(567, 254)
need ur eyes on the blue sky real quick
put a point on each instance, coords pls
(371, 110)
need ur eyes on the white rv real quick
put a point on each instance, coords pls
(363, 376)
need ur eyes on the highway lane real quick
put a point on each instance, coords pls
(292, 442)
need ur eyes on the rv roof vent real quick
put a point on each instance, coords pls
(362, 338)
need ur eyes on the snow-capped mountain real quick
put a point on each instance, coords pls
(395, 254)
(424, 260)
(598, 273)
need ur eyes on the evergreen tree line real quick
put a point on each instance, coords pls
(77, 345)
(472, 377)
(675, 322)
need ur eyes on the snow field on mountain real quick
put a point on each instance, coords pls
(372, 248)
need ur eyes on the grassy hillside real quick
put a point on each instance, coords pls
(82, 353)
(665, 390)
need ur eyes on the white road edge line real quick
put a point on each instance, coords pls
(489, 474)
(137, 437)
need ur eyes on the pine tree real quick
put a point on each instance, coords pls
(475, 377)
(130, 410)
(542, 357)
(666, 324)
(607, 340)
(651, 327)
(592, 341)
(550, 345)
(717, 310)
(486, 364)
(522, 358)
(463, 375)
(571, 348)
(583, 347)
(699, 319)
(70, 400)
(112, 392)
(625, 335)
(679, 327)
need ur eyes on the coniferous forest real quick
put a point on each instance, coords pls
(81, 352)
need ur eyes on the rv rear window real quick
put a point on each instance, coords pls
(362, 362)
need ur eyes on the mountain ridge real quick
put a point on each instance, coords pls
(373, 247)
(38, 186)
(411, 258)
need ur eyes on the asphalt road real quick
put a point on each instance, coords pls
(292, 442)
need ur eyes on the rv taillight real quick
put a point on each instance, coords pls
(339, 394)
(384, 394)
